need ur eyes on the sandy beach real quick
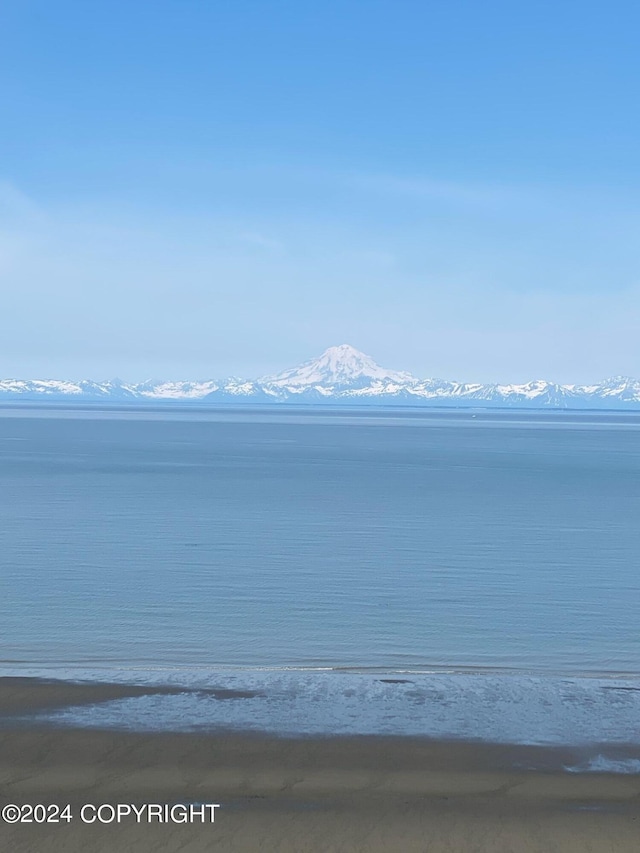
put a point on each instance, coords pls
(319, 794)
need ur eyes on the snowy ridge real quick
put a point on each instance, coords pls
(340, 375)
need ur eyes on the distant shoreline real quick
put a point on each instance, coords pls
(332, 406)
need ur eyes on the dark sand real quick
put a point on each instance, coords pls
(332, 794)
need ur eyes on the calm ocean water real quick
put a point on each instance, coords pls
(208, 541)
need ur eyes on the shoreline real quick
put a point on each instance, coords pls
(594, 718)
(351, 793)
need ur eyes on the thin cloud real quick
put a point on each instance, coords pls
(17, 205)
(263, 242)
(449, 192)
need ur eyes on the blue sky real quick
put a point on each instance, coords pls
(193, 189)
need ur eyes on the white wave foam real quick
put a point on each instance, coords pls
(604, 764)
(501, 708)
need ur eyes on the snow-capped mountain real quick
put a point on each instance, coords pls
(60, 388)
(341, 375)
(337, 367)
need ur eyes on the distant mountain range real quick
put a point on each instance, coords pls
(341, 375)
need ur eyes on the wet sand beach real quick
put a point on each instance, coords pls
(314, 794)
